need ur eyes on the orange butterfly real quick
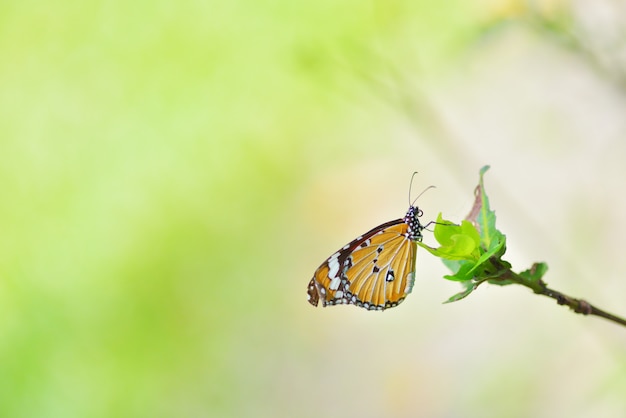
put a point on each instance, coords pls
(376, 271)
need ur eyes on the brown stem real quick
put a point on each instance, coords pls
(580, 306)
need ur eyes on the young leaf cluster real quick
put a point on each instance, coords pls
(473, 252)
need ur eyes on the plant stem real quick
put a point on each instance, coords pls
(580, 306)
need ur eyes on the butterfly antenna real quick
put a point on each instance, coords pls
(423, 191)
(411, 187)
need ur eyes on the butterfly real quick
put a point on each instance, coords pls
(375, 271)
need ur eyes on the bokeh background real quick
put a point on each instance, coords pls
(172, 173)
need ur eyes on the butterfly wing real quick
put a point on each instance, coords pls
(375, 271)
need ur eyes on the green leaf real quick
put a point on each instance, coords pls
(457, 242)
(473, 250)
(482, 216)
(469, 288)
(535, 273)
(464, 273)
(497, 250)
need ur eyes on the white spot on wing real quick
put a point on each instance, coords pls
(410, 282)
(333, 266)
(334, 283)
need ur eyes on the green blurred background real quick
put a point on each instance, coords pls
(172, 173)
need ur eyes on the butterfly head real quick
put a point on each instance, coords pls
(414, 233)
